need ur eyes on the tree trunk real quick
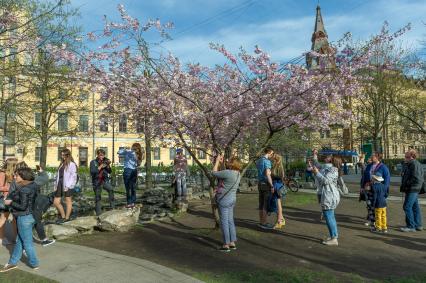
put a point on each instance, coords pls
(44, 128)
(148, 167)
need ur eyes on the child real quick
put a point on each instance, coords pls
(380, 194)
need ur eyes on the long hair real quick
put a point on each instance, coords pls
(67, 159)
(277, 166)
(9, 168)
(136, 147)
(337, 162)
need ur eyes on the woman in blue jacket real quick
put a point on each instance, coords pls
(376, 166)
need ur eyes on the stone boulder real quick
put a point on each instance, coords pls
(119, 220)
(60, 232)
(84, 225)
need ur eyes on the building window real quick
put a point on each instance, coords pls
(121, 157)
(62, 94)
(37, 153)
(84, 96)
(122, 123)
(139, 127)
(187, 155)
(12, 85)
(201, 154)
(62, 122)
(83, 124)
(172, 153)
(103, 123)
(83, 153)
(157, 155)
(37, 121)
(60, 148)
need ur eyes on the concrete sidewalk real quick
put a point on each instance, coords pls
(71, 263)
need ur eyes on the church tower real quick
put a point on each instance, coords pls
(319, 44)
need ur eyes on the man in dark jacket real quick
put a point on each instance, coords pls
(411, 185)
(100, 169)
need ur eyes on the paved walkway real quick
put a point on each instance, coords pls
(71, 263)
(422, 200)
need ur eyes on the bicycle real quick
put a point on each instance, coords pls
(292, 184)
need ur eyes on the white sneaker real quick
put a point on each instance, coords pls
(331, 242)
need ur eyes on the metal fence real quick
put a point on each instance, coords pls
(195, 180)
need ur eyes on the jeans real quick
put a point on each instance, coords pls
(181, 185)
(227, 225)
(98, 192)
(331, 222)
(413, 216)
(24, 241)
(130, 179)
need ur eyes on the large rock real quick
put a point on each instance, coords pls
(60, 232)
(84, 225)
(119, 220)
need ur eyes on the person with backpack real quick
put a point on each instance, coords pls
(226, 198)
(66, 179)
(376, 166)
(100, 170)
(21, 202)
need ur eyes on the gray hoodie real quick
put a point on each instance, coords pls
(326, 183)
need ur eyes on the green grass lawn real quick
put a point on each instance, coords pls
(287, 276)
(299, 199)
(19, 276)
(296, 276)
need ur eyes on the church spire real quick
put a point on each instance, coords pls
(319, 23)
(319, 41)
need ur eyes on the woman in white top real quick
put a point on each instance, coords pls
(66, 178)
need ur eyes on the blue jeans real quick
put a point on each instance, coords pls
(130, 178)
(331, 222)
(181, 185)
(227, 225)
(413, 215)
(24, 240)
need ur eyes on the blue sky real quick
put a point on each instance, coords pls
(283, 28)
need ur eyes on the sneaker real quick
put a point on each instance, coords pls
(367, 224)
(231, 247)
(60, 221)
(406, 229)
(45, 243)
(35, 267)
(224, 249)
(385, 231)
(375, 230)
(419, 228)
(266, 226)
(331, 242)
(8, 267)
